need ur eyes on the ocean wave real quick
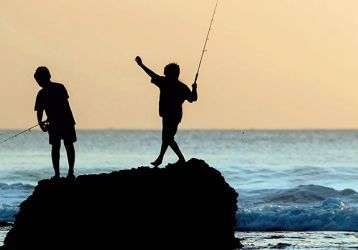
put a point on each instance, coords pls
(16, 186)
(304, 208)
(11, 195)
(7, 213)
(308, 193)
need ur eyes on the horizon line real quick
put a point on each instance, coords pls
(205, 129)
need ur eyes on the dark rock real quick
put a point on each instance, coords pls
(181, 206)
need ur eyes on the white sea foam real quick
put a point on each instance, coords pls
(304, 208)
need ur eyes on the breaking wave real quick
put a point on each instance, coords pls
(304, 208)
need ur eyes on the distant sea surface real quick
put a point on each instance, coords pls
(298, 181)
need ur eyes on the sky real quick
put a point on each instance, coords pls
(270, 63)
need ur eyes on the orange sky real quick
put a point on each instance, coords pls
(271, 64)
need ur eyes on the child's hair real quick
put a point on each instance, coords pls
(172, 70)
(42, 73)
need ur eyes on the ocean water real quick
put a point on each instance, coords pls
(297, 181)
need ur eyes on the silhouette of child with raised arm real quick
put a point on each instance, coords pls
(173, 94)
(60, 124)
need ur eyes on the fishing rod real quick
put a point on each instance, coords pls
(20, 133)
(206, 41)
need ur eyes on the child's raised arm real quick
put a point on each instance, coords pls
(147, 70)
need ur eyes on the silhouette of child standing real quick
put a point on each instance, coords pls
(173, 94)
(60, 123)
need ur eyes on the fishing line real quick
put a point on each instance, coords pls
(20, 133)
(206, 41)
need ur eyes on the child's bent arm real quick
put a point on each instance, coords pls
(194, 94)
(39, 116)
(39, 120)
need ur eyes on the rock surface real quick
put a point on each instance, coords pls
(181, 206)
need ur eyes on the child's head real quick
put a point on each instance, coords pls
(42, 76)
(172, 71)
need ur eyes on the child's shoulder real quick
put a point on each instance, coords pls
(58, 85)
(183, 85)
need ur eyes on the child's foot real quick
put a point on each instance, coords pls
(56, 177)
(156, 163)
(181, 161)
(71, 177)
